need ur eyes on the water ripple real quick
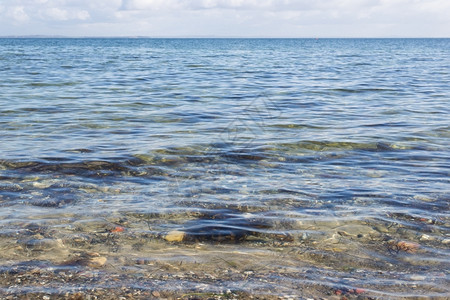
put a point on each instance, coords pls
(267, 167)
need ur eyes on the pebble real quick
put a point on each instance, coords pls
(409, 247)
(446, 241)
(426, 237)
(418, 277)
(156, 294)
(42, 185)
(356, 231)
(382, 228)
(96, 262)
(118, 229)
(423, 198)
(175, 236)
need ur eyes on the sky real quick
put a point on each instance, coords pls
(226, 18)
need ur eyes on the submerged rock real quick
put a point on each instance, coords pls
(219, 226)
(96, 262)
(93, 260)
(175, 236)
(405, 246)
(356, 231)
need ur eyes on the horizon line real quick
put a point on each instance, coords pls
(208, 37)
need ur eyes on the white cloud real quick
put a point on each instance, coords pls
(227, 4)
(17, 13)
(227, 17)
(57, 14)
(82, 15)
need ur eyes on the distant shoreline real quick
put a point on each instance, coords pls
(195, 37)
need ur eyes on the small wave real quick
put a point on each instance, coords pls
(297, 126)
(360, 90)
(206, 155)
(52, 84)
(336, 146)
(95, 168)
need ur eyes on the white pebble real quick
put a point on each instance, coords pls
(426, 237)
(418, 277)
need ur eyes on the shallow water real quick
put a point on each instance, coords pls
(289, 167)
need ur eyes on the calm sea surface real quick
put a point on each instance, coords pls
(284, 167)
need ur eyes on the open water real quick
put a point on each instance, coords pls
(225, 167)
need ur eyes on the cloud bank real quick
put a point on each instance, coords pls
(224, 18)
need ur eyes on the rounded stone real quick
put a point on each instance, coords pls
(175, 236)
(96, 262)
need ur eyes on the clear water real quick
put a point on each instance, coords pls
(328, 158)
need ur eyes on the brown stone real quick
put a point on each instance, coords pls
(96, 262)
(156, 294)
(175, 236)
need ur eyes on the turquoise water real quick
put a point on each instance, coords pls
(323, 157)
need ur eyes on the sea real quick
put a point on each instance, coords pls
(224, 168)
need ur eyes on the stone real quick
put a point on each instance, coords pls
(409, 247)
(96, 262)
(156, 294)
(426, 237)
(418, 277)
(423, 198)
(42, 185)
(175, 236)
(356, 231)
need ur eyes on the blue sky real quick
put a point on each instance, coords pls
(227, 18)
